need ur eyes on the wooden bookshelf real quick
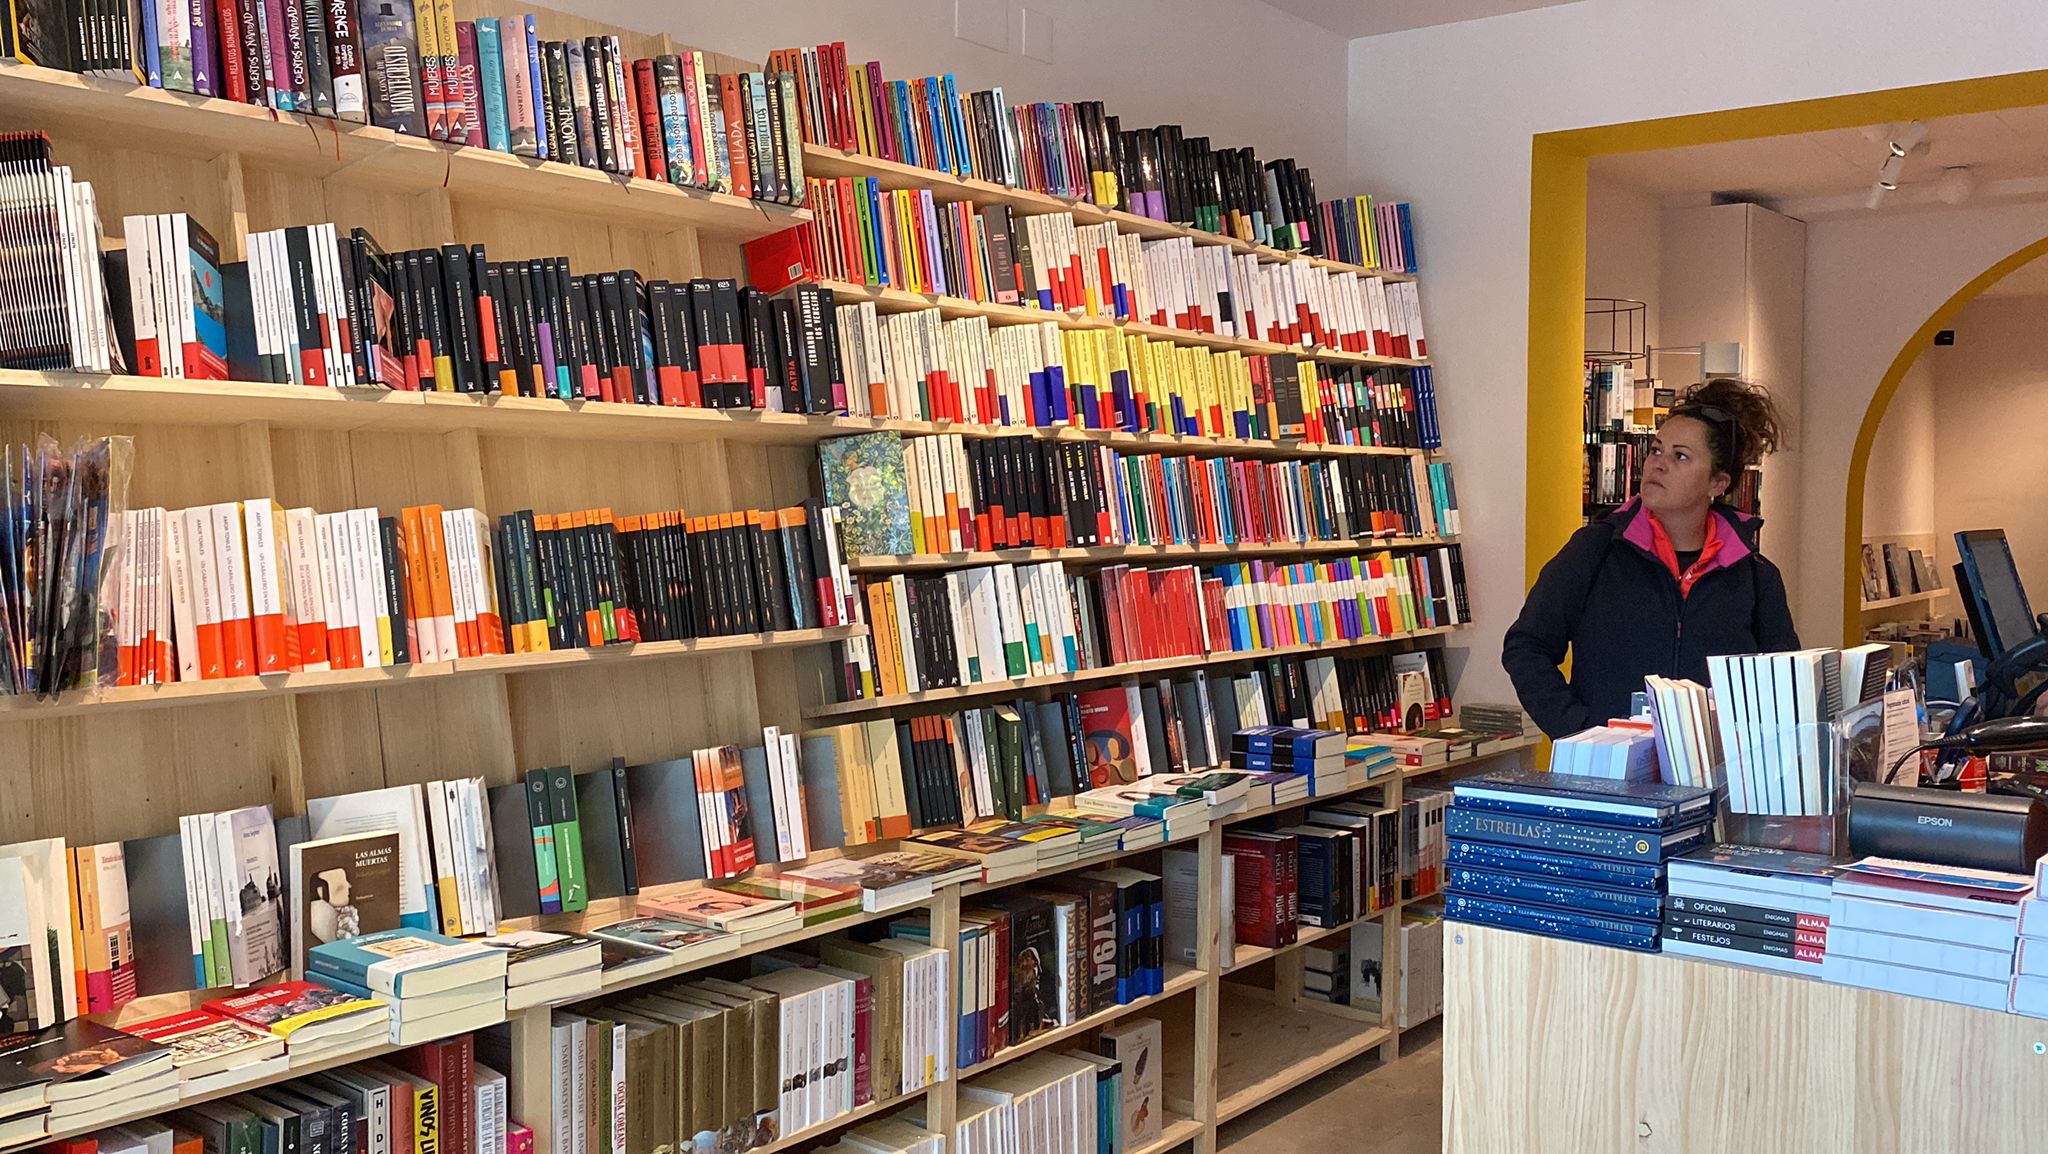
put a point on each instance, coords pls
(178, 401)
(889, 299)
(1105, 673)
(824, 161)
(121, 764)
(1115, 554)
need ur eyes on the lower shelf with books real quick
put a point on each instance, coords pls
(1249, 955)
(804, 1138)
(1179, 980)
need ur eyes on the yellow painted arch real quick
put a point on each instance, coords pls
(1873, 417)
(1557, 280)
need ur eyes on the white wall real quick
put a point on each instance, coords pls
(1456, 142)
(1987, 461)
(1624, 254)
(1152, 61)
(1898, 498)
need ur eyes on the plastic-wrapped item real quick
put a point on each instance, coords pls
(63, 512)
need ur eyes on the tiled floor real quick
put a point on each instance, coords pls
(1399, 1104)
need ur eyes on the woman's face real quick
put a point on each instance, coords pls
(1679, 476)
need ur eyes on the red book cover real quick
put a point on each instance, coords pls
(1258, 900)
(653, 161)
(735, 134)
(863, 1040)
(518, 1140)
(466, 78)
(1001, 1023)
(234, 78)
(448, 1065)
(1106, 737)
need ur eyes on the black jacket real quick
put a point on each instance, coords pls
(1608, 597)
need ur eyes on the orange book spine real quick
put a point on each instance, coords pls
(440, 590)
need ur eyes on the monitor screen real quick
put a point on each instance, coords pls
(2001, 601)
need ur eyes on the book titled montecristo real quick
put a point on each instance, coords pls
(406, 962)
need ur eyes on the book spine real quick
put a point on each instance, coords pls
(1564, 837)
(491, 84)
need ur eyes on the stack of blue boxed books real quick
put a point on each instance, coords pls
(1571, 857)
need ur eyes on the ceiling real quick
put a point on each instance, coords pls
(1823, 173)
(1353, 18)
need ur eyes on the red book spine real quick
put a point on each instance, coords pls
(234, 78)
(653, 161)
(863, 1041)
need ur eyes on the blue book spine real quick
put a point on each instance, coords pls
(1561, 867)
(533, 66)
(899, 90)
(152, 61)
(675, 132)
(1566, 836)
(1641, 905)
(1130, 929)
(1553, 923)
(961, 153)
(1156, 912)
(348, 987)
(490, 58)
(1564, 809)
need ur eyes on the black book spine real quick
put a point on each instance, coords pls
(464, 353)
(787, 388)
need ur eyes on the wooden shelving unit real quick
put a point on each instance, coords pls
(122, 764)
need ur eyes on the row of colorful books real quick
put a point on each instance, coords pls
(948, 494)
(989, 624)
(904, 238)
(242, 588)
(1078, 151)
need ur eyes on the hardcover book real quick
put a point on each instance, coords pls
(1109, 748)
(864, 476)
(343, 887)
(304, 1009)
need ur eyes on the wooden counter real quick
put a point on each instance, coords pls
(1556, 1046)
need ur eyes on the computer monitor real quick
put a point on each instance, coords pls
(1998, 602)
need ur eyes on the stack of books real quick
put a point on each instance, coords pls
(1570, 857)
(436, 986)
(1930, 931)
(1317, 755)
(316, 1021)
(1613, 752)
(210, 1051)
(1505, 720)
(1368, 757)
(748, 917)
(2030, 962)
(1751, 905)
(542, 967)
(1267, 868)
(82, 1074)
(1180, 816)
(892, 878)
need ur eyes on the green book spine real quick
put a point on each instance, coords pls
(568, 840)
(540, 817)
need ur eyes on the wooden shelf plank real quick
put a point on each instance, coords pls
(1266, 1050)
(859, 1114)
(821, 160)
(1179, 980)
(175, 401)
(1107, 554)
(335, 680)
(1929, 596)
(113, 112)
(1104, 673)
(1176, 1132)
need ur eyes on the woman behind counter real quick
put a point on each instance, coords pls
(1664, 582)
